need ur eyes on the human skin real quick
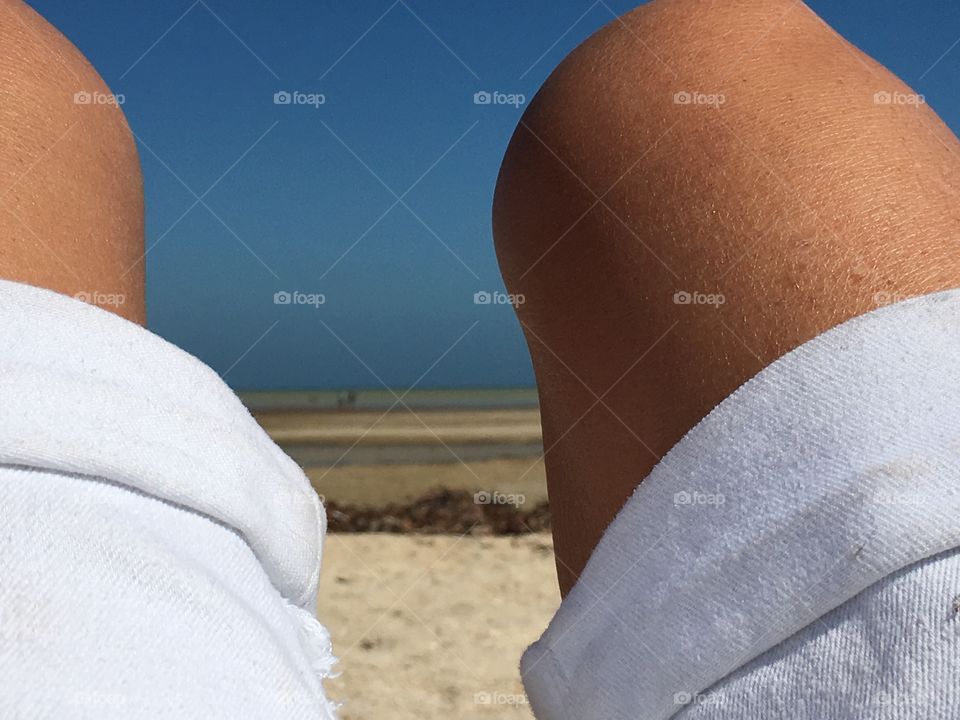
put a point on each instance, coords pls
(71, 195)
(802, 199)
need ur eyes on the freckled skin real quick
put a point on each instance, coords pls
(71, 196)
(800, 198)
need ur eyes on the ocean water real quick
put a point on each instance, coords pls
(321, 452)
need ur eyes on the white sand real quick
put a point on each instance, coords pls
(431, 627)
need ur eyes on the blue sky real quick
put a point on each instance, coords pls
(378, 198)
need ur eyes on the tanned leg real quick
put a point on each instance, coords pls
(739, 149)
(71, 196)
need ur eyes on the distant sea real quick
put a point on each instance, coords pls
(380, 399)
(313, 405)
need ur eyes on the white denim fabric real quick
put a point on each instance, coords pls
(793, 556)
(159, 555)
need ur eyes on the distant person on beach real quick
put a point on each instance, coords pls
(347, 400)
(717, 213)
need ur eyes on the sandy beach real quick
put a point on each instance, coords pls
(431, 628)
(425, 626)
(371, 457)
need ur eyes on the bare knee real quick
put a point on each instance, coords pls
(732, 148)
(724, 149)
(71, 202)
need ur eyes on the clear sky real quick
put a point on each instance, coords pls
(378, 198)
